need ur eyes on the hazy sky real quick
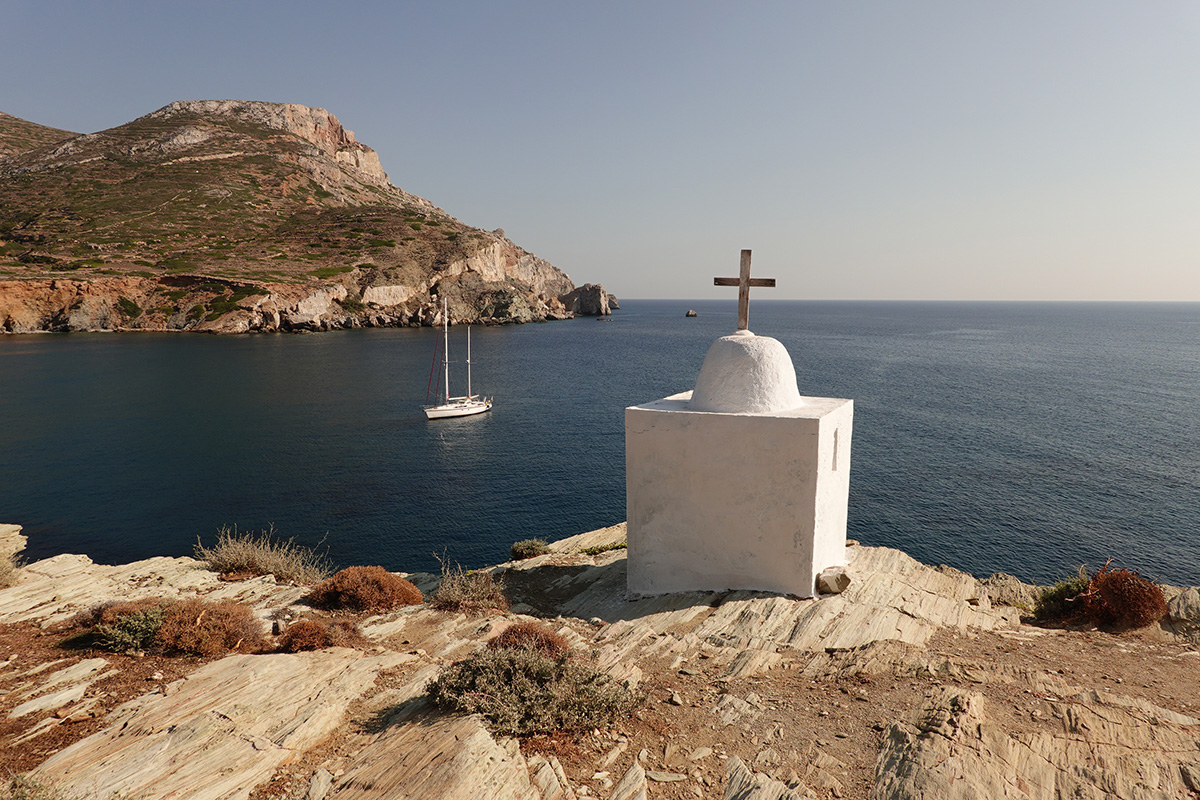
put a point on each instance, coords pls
(881, 150)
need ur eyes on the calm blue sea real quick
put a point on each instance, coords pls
(1023, 437)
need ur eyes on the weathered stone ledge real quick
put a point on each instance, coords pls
(236, 723)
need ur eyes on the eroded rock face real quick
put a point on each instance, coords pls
(315, 125)
(484, 289)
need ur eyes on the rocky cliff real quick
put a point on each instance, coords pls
(235, 216)
(915, 682)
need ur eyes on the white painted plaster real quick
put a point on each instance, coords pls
(736, 500)
(746, 373)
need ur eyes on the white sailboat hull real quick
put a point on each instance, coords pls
(467, 404)
(458, 407)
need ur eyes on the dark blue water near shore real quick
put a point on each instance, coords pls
(1027, 438)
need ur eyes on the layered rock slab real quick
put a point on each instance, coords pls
(222, 730)
(1100, 746)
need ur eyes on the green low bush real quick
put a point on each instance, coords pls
(131, 626)
(520, 691)
(1060, 601)
(528, 548)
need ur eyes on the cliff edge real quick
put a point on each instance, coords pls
(913, 683)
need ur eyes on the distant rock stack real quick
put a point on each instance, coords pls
(589, 300)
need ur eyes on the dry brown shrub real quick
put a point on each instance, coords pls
(314, 634)
(365, 589)
(204, 628)
(533, 636)
(1121, 598)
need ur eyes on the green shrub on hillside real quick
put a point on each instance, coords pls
(329, 272)
(520, 691)
(528, 548)
(130, 627)
(603, 548)
(1060, 601)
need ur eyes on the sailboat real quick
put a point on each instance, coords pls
(467, 404)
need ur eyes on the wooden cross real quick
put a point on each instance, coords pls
(744, 282)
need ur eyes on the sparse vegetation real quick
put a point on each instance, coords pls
(203, 628)
(8, 570)
(520, 691)
(603, 548)
(129, 308)
(528, 548)
(313, 634)
(23, 787)
(531, 635)
(329, 272)
(263, 553)
(469, 592)
(365, 589)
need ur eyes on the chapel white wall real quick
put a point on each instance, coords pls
(735, 500)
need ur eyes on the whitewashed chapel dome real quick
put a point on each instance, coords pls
(744, 373)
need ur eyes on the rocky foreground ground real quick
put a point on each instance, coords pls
(916, 682)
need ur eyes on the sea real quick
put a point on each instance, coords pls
(1028, 438)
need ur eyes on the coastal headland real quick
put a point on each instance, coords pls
(228, 216)
(916, 681)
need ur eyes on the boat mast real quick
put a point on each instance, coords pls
(446, 345)
(468, 361)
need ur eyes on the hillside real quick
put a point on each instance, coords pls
(18, 135)
(232, 216)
